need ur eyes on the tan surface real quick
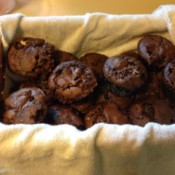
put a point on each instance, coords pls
(79, 7)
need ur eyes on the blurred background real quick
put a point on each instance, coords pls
(79, 7)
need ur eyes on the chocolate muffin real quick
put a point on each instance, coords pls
(114, 114)
(43, 85)
(96, 61)
(72, 81)
(62, 56)
(156, 50)
(27, 106)
(95, 115)
(169, 79)
(122, 102)
(84, 105)
(155, 86)
(31, 57)
(105, 113)
(151, 110)
(59, 114)
(125, 74)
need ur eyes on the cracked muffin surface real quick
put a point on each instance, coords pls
(125, 72)
(151, 110)
(31, 57)
(71, 81)
(156, 50)
(26, 105)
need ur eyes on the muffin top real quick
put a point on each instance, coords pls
(125, 71)
(156, 50)
(26, 105)
(96, 62)
(71, 81)
(151, 110)
(60, 114)
(105, 113)
(31, 57)
(43, 85)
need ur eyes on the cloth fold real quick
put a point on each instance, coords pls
(112, 34)
(104, 149)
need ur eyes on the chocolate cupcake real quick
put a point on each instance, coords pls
(31, 58)
(156, 50)
(125, 74)
(27, 106)
(72, 81)
(169, 79)
(105, 113)
(151, 110)
(59, 114)
(96, 61)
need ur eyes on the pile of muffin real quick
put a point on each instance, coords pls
(135, 87)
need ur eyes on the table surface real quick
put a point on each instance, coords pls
(80, 7)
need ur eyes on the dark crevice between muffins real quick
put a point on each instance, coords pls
(2, 79)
